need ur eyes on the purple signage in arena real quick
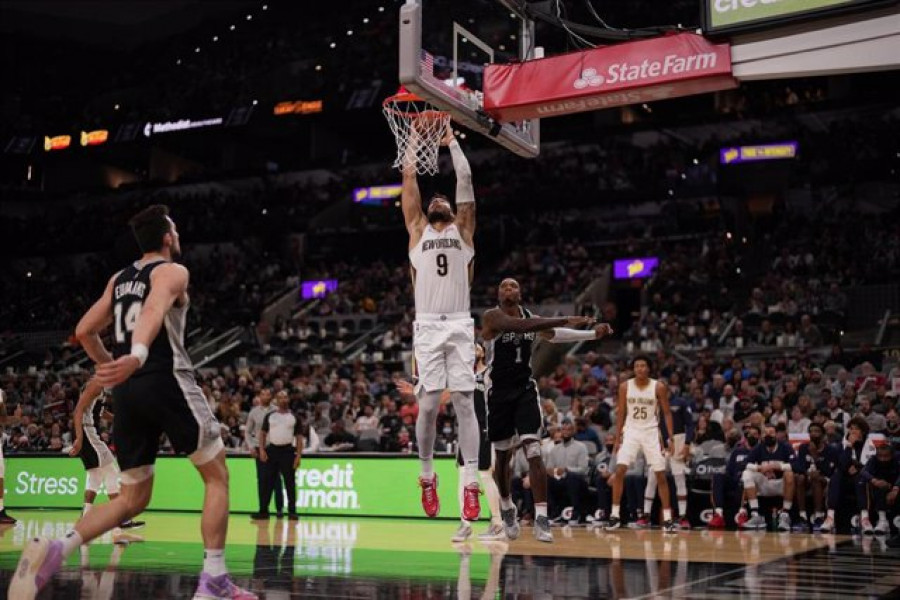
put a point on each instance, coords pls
(318, 289)
(635, 268)
(741, 154)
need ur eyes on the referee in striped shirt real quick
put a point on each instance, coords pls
(280, 445)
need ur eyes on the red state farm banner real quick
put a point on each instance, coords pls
(629, 73)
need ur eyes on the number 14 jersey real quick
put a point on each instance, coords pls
(130, 290)
(642, 406)
(440, 263)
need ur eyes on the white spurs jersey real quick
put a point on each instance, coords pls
(440, 263)
(642, 406)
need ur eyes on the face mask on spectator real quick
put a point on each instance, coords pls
(769, 440)
(752, 440)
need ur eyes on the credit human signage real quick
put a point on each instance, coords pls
(728, 15)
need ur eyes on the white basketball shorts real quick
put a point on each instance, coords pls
(642, 440)
(445, 352)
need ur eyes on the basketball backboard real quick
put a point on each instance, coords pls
(444, 46)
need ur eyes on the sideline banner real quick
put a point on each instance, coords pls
(335, 485)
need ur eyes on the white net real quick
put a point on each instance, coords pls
(418, 128)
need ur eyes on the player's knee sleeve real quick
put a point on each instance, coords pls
(505, 445)
(463, 404)
(137, 475)
(94, 480)
(203, 455)
(111, 479)
(747, 479)
(532, 449)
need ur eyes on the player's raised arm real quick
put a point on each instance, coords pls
(168, 283)
(410, 196)
(465, 191)
(559, 335)
(495, 322)
(95, 320)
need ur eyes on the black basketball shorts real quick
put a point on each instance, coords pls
(514, 410)
(151, 404)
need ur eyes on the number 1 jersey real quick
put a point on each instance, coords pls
(131, 289)
(440, 263)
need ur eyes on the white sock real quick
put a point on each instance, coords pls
(682, 508)
(787, 504)
(882, 516)
(214, 562)
(720, 512)
(614, 513)
(470, 473)
(863, 514)
(831, 514)
(819, 515)
(648, 506)
(667, 514)
(71, 543)
(427, 468)
(87, 506)
(540, 509)
(754, 505)
(493, 495)
(506, 503)
(116, 555)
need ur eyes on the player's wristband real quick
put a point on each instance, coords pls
(140, 352)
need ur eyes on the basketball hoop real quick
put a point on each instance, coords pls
(418, 128)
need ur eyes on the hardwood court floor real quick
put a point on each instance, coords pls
(392, 558)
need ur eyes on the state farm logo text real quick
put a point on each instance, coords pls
(620, 72)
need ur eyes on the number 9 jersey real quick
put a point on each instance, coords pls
(444, 332)
(440, 263)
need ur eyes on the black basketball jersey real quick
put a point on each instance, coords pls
(130, 290)
(509, 357)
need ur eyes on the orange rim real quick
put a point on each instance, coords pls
(391, 104)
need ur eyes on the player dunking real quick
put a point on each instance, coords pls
(640, 400)
(513, 402)
(155, 393)
(441, 251)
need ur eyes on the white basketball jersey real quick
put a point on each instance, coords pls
(641, 405)
(441, 271)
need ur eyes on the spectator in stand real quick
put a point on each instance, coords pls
(728, 484)
(809, 333)
(856, 452)
(798, 423)
(567, 469)
(340, 440)
(584, 433)
(769, 472)
(892, 430)
(877, 423)
(815, 464)
(878, 486)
